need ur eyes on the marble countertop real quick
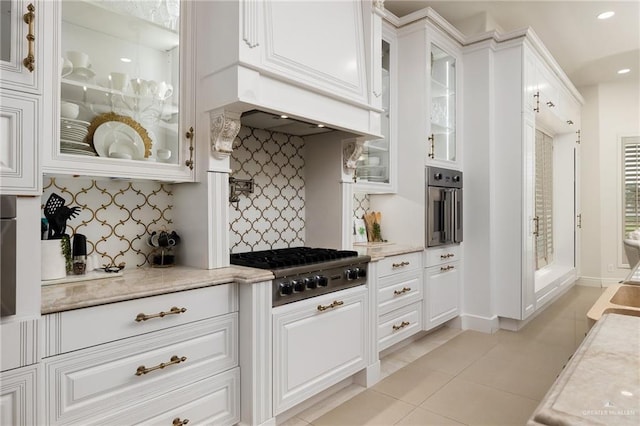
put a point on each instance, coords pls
(601, 383)
(379, 251)
(142, 282)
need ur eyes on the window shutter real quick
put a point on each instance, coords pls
(631, 195)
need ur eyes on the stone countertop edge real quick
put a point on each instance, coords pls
(142, 282)
(592, 387)
(380, 251)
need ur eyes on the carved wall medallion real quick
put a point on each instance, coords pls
(225, 126)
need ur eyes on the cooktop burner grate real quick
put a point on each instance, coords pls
(288, 257)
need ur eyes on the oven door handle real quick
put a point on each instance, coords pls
(454, 215)
(448, 216)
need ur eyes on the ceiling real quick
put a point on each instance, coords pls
(589, 50)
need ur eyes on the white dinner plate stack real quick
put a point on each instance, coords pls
(72, 137)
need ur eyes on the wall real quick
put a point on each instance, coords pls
(274, 215)
(615, 107)
(116, 216)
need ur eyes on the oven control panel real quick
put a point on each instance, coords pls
(301, 286)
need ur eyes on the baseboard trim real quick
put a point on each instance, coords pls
(487, 325)
(598, 282)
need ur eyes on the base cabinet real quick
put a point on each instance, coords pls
(330, 329)
(18, 397)
(179, 369)
(442, 285)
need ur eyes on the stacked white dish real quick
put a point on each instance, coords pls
(72, 137)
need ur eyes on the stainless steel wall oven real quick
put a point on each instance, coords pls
(444, 206)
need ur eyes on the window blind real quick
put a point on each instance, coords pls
(631, 177)
(544, 199)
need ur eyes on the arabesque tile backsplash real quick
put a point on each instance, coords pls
(116, 216)
(274, 215)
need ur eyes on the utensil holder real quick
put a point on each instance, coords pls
(162, 258)
(53, 261)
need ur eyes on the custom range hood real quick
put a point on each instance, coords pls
(281, 58)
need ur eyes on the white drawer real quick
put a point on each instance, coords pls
(71, 330)
(397, 291)
(399, 324)
(212, 401)
(96, 381)
(400, 263)
(439, 255)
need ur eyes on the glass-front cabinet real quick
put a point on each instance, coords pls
(443, 82)
(126, 104)
(375, 172)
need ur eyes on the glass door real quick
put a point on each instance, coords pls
(120, 83)
(442, 138)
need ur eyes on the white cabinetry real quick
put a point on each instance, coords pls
(442, 285)
(332, 330)
(443, 71)
(376, 167)
(22, 66)
(133, 82)
(178, 365)
(531, 94)
(399, 298)
(18, 397)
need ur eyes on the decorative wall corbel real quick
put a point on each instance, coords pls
(351, 151)
(225, 126)
(379, 5)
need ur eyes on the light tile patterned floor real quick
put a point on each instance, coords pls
(451, 377)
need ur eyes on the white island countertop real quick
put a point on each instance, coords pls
(601, 383)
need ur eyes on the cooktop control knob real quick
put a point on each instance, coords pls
(286, 289)
(311, 283)
(351, 274)
(322, 281)
(456, 178)
(362, 272)
(437, 176)
(298, 285)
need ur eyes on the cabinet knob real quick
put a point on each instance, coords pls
(178, 422)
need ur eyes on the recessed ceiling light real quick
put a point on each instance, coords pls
(284, 116)
(606, 15)
(125, 60)
(624, 71)
(320, 125)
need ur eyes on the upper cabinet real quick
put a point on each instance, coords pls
(22, 67)
(442, 104)
(376, 167)
(21, 48)
(123, 98)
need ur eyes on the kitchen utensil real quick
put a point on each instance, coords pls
(57, 215)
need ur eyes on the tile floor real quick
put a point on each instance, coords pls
(454, 377)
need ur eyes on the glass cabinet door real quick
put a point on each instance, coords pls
(442, 138)
(374, 164)
(119, 91)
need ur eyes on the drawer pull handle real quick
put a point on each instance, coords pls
(402, 325)
(446, 256)
(174, 360)
(172, 311)
(29, 18)
(447, 268)
(403, 291)
(332, 305)
(399, 265)
(178, 422)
